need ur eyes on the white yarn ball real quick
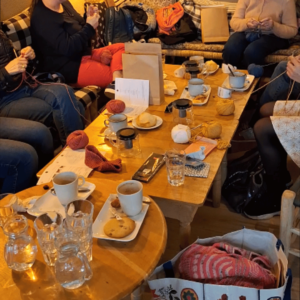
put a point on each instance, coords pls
(181, 134)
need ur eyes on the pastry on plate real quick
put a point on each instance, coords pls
(211, 66)
(146, 120)
(199, 99)
(119, 228)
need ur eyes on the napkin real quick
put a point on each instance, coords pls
(169, 87)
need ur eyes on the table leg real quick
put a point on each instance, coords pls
(136, 294)
(218, 182)
(184, 234)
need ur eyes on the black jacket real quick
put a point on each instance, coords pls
(60, 39)
(7, 82)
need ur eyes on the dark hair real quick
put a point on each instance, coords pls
(32, 6)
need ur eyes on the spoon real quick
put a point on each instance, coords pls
(231, 71)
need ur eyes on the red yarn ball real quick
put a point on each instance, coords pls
(115, 106)
(106, 57)
(77, 140)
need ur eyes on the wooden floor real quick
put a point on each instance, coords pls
(210, 221)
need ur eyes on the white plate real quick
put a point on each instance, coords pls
(248, 82)
(159, 121)
(105, 215)
(49, 202)
(186, 95)
(211, 72)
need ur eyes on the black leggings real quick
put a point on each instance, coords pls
(272, 153)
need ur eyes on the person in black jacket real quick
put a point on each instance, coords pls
(43, 103)
(61, 38)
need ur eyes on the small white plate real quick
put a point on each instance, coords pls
(105, 215)
(159, 121)
(49, 202)
(248, 82)
(211, 72)
(186, 95)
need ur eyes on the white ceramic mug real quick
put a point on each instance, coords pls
(199, 59)
(116, 122)
(179, 72)
(224, 93)
(130, 194)
(66, 186)
(226, 70)
(238, 80)
(196, 87)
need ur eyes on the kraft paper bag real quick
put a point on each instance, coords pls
(143, 61)
(214, 25)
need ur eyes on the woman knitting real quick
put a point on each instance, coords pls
(261, 27)
(61, 38)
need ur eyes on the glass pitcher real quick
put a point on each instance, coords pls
(20, 249)
(72, 268)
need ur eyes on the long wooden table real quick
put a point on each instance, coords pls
(182, 202)
(118, 267)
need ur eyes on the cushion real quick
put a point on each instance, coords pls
(87, 95)
(17, 30)
(157, 4)
(98, 40)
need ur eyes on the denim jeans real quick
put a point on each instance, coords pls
(279, 89)
(239, 52)
(61, 99)
(25, 147)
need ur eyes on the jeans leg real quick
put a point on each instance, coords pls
(256, 52)
(65, 107)
(234, 48)
(33, 133)
(278, 89)
(18, 166)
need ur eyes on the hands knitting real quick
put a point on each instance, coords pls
(293, 68)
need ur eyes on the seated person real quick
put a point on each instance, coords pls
(277, 134)
(61, 38)
(25, 147)
(280, 88)
(19, 100)
(261, 27)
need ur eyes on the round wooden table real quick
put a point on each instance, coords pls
(118, 267)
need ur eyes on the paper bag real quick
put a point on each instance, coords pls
(214, 25)
(143, 61)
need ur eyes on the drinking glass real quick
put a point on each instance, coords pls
(6, 209)
(175, 161)
(79, 221)
(48, 226)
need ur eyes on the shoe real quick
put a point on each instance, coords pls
(110, 91)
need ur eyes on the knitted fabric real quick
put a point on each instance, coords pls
(77, 140)
(224, 264)
(95, 160)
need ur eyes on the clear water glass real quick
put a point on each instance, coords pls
(79, 221)
(20, 249)
(175, 162)
(6, 209)
(72, 268)
(48, 226)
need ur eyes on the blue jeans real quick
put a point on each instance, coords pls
(25, 147)
(279, 89)
(239, 52)
(23, 104)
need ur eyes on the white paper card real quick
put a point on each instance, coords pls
(134, 93)
(67, 160)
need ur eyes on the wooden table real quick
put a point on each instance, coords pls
(182, 202)
(118, 267)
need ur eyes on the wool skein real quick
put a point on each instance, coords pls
(115, 106)
(77, 140)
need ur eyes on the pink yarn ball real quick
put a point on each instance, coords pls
(115, 106)
(106, 57)
(77, 140)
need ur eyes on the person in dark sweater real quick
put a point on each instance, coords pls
(61, 38)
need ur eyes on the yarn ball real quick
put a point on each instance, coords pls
(256, 70)
(211, 130)
(106, 57)
(225, 107)
(181, 134)
(115, 106)
(77, 140)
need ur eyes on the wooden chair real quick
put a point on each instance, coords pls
(290, 218)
